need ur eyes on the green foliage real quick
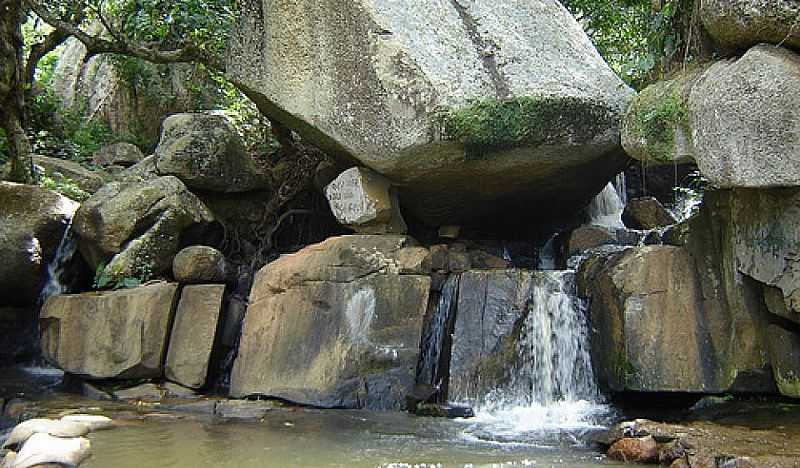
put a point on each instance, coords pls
(251, 125)
(659, 121)
(63, 185)
(510, 123)
(3, 147)
(636, 37)
(204, 23)
(104, 279)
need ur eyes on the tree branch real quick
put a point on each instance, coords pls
(53, 40)
(97, 45)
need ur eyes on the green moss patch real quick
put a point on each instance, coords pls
(502, 124)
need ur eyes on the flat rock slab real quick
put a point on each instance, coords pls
(119, 334)
(193, 334)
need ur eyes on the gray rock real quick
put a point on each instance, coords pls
(490, 304)
(365, 202)
(119, 334)
(243, 409)
(60, 169)
(592, 236)
(206, 153)
(94, 393)
(32, 223)
(784, 353)
(173, 390)
(777, 305)
(93, 421)
(62, 429)
(744, 117)
(118, 154)
(334, 325)
(766, 241)
(419, 93)
(199, 264)
(193, 333)
(136, 227)
(143, 392)
(142, 171)
(195, 407)
(646, 213)
(739, 24)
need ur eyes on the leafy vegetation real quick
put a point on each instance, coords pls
(103, 279)
(63, 185)
(638, 38)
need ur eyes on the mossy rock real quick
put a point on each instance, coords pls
(655, 128)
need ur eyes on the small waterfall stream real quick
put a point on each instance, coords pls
(607, 207)
(58, 281)
(434, 365)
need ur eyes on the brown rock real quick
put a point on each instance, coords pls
(636, 450)
(414, 261)
(646, 213)
(439, 257)
(193, 334)
(199, 264)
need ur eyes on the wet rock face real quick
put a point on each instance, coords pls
(334, 325)
(206, 153)
(32, 223)
(418, 95)
(137, 226)
(766, 239)
(112, 334)
(646, 213)
(738, 24)
(651, 331)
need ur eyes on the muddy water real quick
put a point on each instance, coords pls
(326, 439)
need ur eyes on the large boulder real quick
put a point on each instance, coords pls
(738, 119)
(119, 334)
(206, 153)
(334, 325)
(193, 334)
(32, 223)
(766, 242)
(646, 213)
(656, 327)
(474, 109)
(200, 264)
(739, 24)
(136, 228)
(744, 117)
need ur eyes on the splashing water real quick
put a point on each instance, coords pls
(607, 207)
(687, 202)
(58, 268)
(552, 389)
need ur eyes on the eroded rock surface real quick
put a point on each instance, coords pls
(334, 325)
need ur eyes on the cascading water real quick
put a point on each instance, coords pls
(551, 390)
(433, 368)
(58, 269)
(607, 207)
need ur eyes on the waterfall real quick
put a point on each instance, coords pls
(553, 361)
(434, 363)
(607, 207)
(547, 255)
(57, 270)
(687, 202)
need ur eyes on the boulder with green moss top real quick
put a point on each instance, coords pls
(482, 110)
(62, 170)
(738, 24)
(136, 228)
(655, 129)
(737, 119)
(206, 153)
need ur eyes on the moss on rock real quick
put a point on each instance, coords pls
(526, 120)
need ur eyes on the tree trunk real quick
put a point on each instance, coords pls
(12, 92)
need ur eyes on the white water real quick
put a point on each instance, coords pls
(687, 202)
(607, 207)
(57, 269)
(552, 388)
